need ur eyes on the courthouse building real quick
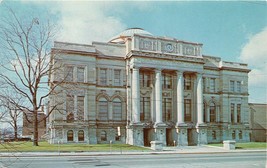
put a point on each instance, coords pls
(137, 88)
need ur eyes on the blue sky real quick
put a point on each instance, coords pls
(235, 31)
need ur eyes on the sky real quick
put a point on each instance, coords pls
(233, 30)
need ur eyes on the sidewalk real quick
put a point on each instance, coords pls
(166, 150)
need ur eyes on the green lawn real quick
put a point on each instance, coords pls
(249, 145)
(46, 147)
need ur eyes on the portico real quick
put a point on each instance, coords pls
(166, 106)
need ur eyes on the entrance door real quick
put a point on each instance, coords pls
(146, 137)
(169, 137)
(190, 137)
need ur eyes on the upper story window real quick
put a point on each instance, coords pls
(212, 84)
(80, 107)
(232, 86)
(144, 108)
(103, 77)
(187, 82)
(74, 74)
(235, 86)
(238, 86)
(212, 112)
(68, 73)
(187, 110)
(80, 74)
(145, 79)
(167, 109)
(117, 77)
(167, 81)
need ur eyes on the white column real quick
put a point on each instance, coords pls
(199, 99)
(135, 96)
(158, 96)
(180, 98)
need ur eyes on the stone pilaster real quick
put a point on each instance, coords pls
(135, 96)
(201, 127)
(199, 99)
(180, 98)
(158, 96)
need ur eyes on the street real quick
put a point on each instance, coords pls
(244, 160)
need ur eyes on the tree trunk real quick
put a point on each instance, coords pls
(16, 132)
(35, 128)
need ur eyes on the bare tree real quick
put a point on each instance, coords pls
(11, 113)
(26, 46)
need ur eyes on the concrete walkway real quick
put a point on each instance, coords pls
(166, 150)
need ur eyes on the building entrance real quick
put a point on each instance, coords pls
(169, 137)
(147, 137)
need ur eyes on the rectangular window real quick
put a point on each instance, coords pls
(68, 73)
(238, 111)
(70, 104)
(166, 109)
(232, 86)
(212, 85)
(166, 81)
(187, 110)
(103, 77)
(145, 109)
(145, 79)
(80, 74)
(238, 86)
(80, 107)
(70, 108)
(117, 77)
(187, 82)
(232, 112)
(212, 112)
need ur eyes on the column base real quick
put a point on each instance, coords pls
(181, 131)
(135, 134)
(202, 138)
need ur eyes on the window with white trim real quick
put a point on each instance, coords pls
(103, 77)
(117, 77)
(232, 86)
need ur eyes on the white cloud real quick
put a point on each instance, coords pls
(255, 53)
(84, 22)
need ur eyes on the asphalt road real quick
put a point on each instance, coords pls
(218, 160)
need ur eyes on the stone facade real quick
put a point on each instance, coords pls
(139, 88)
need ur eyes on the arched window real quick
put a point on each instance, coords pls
(103, 136)
(81, 135)
(117, 109)
(70, 135)
(212, 112)
(103, 109)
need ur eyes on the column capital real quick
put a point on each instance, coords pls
(179, 73)
(157, 70)
(199, 74)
